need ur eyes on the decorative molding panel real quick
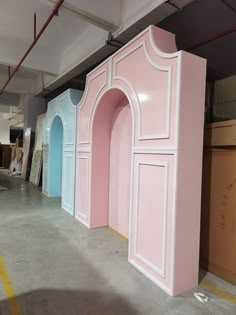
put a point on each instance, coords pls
(153, 164)
(150, 76)
(140, 97)
(90, 80)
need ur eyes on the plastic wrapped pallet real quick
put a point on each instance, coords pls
(224, 100)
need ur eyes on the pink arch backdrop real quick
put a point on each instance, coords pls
(139, 155)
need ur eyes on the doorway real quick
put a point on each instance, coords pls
(56, 158)
(111, 162)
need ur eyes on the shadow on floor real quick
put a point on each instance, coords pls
(202, 275)
(67, 302)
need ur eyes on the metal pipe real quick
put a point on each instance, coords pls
(58, 5)
(212, 39)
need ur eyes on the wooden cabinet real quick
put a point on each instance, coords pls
(5, 155)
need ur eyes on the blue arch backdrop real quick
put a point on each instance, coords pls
(59, 148)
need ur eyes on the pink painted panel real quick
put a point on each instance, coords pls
(153, 95)
(101, 133)
(120, 168)
(96, 82)
(165, 95)
(152, 215)
(151, 212)
(188, 202)
(155, 98)
(164, 41)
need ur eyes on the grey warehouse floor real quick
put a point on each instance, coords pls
(51, 264)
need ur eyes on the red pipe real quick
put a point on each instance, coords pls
(220, 35)
(54, 11)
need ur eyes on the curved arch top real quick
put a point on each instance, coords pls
(157, 50)
(163, 42)
(165, 89)
(63, 106)
(118, 93)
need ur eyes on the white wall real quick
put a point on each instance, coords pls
(33, 107)
(5, 109)
(4, 130)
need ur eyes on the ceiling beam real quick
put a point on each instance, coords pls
(9, 99)
(27, 69)
(39, 71)
(88, 17)
(34, 42)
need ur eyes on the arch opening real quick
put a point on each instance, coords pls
(56, 157)
(111, 162)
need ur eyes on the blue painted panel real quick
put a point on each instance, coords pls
(69, 115)
(61, 154)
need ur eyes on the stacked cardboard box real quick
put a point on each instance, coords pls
(218, 224)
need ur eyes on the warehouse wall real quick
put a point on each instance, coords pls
(33, 107)
(4, 109)
(4, 130)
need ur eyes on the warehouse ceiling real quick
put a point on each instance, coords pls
(203, 27)
(200, 23)
(74, 41)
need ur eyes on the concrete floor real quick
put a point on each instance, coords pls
(58, 266)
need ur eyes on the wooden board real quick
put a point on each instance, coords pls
(36, 165)
(26, 148)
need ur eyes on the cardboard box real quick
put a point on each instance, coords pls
(218, 221)
(220, 134)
